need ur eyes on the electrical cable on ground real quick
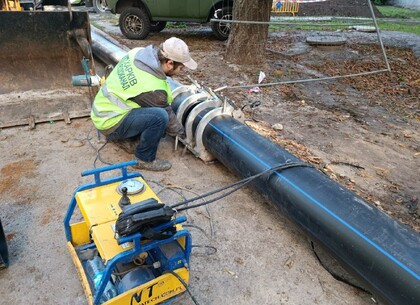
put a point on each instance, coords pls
(185, 285)
(172, 187)
(205, 246)
(167, 187)
(196, 227)
(97, 150)
(92, 95)
(206, 206)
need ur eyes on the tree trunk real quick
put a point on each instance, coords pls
(246, 44)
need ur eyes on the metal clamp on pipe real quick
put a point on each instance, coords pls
(189, 123)
(200, 103)
(189, 103)
(184, 89)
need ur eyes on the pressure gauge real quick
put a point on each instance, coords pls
(133, 186)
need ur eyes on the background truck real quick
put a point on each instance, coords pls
(140, 17)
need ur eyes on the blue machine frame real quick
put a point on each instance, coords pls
(138, 247)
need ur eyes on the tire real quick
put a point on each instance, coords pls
(157, 26)
(221, 30)
(134, 23)
(4, 252)
(100, 6)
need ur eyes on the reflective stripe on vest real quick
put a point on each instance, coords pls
(113, 99)
(108, 115)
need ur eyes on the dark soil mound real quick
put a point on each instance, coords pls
(344, 8)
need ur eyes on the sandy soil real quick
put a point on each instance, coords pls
(366, 138)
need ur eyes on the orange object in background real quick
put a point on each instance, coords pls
(10, 5)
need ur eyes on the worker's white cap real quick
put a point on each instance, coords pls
(177, 50)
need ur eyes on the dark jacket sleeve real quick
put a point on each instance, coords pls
(159, 98)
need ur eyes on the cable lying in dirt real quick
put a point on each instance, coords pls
(299, 81)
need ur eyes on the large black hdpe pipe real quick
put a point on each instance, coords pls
(379, 251)
(372, 246)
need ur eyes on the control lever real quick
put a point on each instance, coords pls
(124, 200)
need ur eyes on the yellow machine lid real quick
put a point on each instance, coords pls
(100, 205)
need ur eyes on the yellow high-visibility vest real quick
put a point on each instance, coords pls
(113, 101)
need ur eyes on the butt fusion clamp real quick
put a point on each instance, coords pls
(201, 98)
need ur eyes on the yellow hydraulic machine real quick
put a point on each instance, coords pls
(127, 248)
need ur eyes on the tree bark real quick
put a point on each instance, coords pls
(246, 43)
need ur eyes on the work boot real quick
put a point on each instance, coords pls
(127, 145)
(156, 165)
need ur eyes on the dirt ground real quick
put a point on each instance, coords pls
(324, 121)
(348, 8)
(363, 131)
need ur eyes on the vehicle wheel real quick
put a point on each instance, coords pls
(134, 23)
(157, 26)
(4, 253)
(100, 6)
(221, 29)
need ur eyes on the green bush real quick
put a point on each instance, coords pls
(399, 12)
(380, 2)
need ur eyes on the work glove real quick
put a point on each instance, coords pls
(182, 135)
(174, 127)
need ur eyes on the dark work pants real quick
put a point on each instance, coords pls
(146, 123)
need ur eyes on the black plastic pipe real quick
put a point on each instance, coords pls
(378, 250)
(372, 246)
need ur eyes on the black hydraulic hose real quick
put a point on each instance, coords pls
(372, 246)
(233, 187)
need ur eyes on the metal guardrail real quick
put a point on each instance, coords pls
(285, 6)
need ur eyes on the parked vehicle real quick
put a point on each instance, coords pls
(100, 6)
(140, 17)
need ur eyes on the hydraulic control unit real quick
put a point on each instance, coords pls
(127, 249)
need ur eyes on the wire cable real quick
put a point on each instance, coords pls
(214, 249)
(172, 187)
(236, 186)
(185, 285)
(196, 227)
(97, 150)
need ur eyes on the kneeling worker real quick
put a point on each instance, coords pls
(134, 102)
